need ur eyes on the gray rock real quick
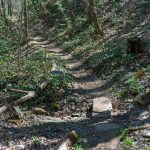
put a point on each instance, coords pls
(2, 123)
(129, 100)
(102, 107)
(146, 134)
(143, 114)
(40, 111)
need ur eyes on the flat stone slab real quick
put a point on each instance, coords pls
(102, 107)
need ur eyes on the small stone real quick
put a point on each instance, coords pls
(2, 123)
(129, 100)
(102, 107)
(139, 99)
(40, 111)
(146, 134)
(143, 114)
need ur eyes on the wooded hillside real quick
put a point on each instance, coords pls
(75, 74)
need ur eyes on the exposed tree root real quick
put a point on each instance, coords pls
(139, 128)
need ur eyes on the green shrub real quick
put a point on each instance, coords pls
(123, 133)
(79, 147)
(35, 140)
(71, 45)
(148, 147)
(134, 86)
(109, 58)
(128, 142)
(34, 71)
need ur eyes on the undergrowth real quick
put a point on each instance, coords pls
(32, 71)
(104, 55)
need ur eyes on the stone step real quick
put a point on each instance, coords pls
(102, 108)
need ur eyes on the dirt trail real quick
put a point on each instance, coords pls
(96, 134)
(89, 87)
(85, 80)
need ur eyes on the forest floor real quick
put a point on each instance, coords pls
(45, 132)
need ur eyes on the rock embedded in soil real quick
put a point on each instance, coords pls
(139, 99)
(102, 108)
(146, 134)
(40, 111)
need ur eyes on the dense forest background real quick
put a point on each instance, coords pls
(56, 56)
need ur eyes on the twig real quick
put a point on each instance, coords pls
(139, 128)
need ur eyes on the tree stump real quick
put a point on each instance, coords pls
(135, 45)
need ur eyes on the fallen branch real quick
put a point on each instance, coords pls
(3, 108)
(139, 128)
(3, 102)
(30, 95)
(43, 85)
(69, 140)
(19, 91)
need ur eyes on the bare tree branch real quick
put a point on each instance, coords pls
(30, 95)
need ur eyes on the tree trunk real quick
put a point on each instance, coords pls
(25, 19)
(9, 8)
(4, 10)
(92, 16)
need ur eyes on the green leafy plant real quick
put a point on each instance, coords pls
(79, 147)
(128, 142)
(123, 133)
(70, 45)
(133, 85)
(109, 58)
(35, 140)
(148, 147)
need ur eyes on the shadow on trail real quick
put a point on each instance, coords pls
(108, 84)
(87, 128)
